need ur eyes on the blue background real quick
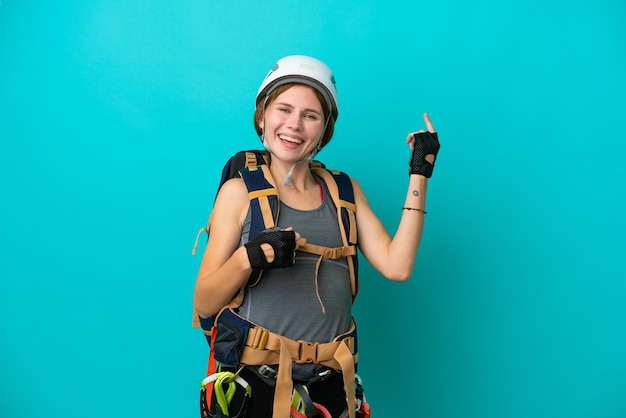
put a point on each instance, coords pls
(115, 120)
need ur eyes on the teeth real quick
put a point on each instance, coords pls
(290, 139)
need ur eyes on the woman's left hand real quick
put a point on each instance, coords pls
(424, 147)
(429, 128)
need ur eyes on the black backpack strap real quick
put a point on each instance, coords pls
(263, 194)
(240, 160)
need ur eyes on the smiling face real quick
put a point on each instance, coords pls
(293, 122)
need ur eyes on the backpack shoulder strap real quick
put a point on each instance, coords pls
(263, 194)
(342, 193)
(240, 160)
(231, 170)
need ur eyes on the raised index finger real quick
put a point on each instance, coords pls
(429, 124)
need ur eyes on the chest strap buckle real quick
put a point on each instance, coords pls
(307, 352)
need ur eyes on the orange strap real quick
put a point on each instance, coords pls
(211, 368)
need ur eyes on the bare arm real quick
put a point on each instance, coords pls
(394, 257)
(225, 266)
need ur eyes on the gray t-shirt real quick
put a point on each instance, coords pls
(285, 300)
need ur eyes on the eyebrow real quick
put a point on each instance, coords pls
(306, 110)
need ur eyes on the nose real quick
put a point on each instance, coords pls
(294, 121)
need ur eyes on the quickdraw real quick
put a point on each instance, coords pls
(224, 390)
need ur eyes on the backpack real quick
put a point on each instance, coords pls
(232, 339)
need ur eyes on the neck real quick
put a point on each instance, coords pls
(301, 176)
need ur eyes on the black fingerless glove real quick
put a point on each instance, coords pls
(283, 243)
(424, 143)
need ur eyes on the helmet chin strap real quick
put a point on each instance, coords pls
(290, 173)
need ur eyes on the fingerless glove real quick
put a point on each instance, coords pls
(283, 243)
(425, 143)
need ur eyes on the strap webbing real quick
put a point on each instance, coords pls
(263, 196)
(211, 367)
(283, 351)
(350, 208)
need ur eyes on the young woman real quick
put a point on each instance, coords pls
(296, 297)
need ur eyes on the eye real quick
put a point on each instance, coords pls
(311, 116)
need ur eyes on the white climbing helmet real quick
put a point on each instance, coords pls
(302, 69)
